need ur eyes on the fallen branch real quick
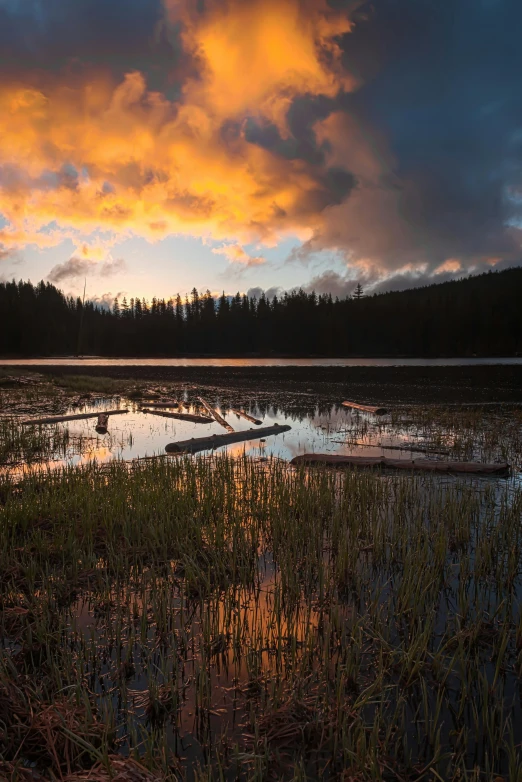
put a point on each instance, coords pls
(216, 440)
(196, 419)
(426, 465)
(409, 448)
(366, 408)
(214, 413)
(250, 418)
(56, 419)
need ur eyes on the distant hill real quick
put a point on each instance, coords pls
(479, 315)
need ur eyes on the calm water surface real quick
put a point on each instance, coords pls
(333, 429)
(258, 362)
(140, 435)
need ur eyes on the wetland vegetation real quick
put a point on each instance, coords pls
(228, 617)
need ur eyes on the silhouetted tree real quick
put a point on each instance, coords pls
(478, 315)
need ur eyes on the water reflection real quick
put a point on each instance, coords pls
(260, 362)
(314, 428)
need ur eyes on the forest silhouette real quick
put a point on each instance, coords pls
(480, 315)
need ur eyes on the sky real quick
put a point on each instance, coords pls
(153, 146)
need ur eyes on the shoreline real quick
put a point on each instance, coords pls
(258, 358)
(498, 383)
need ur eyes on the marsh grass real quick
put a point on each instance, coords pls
(470, 433)
(80, 384)
(29, 445)
(220, 618)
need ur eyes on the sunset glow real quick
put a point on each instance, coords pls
(239, 126)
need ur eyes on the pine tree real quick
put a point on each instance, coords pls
(358, 292)
(179, 311)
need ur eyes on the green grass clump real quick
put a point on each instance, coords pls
(226, 618)
(29, 445)
(86, 384)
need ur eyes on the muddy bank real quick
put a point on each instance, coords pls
(431, 385)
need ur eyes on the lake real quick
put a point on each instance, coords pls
(260, 362)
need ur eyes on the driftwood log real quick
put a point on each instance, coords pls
(214, 413)
(242, 414)
(103, 423)
(196, 419)
(366, 408)
(57, 419)
(426, 465)
(216, 440)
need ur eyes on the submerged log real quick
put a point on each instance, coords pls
(162, 404)
(242, 414)
(214, 413)
(196, 419)
(415, 449)
(57, 419)
(366, 408)
(103, 423)
(426, 465)
(216, 440)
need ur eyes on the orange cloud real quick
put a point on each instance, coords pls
(236, 254)
(450, 265)
(77, 158)
(257, 56)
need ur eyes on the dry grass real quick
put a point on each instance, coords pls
(59, 736)
(115, 769)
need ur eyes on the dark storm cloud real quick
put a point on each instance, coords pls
(341, 285)
(440, 82)
(119, 35)
(407, 280)
(267, 135)
(443, 88)
(303, 113)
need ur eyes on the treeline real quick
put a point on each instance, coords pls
(479, 315)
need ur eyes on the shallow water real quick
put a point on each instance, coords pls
(216, 662)
(225, 647)
(138, 435)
